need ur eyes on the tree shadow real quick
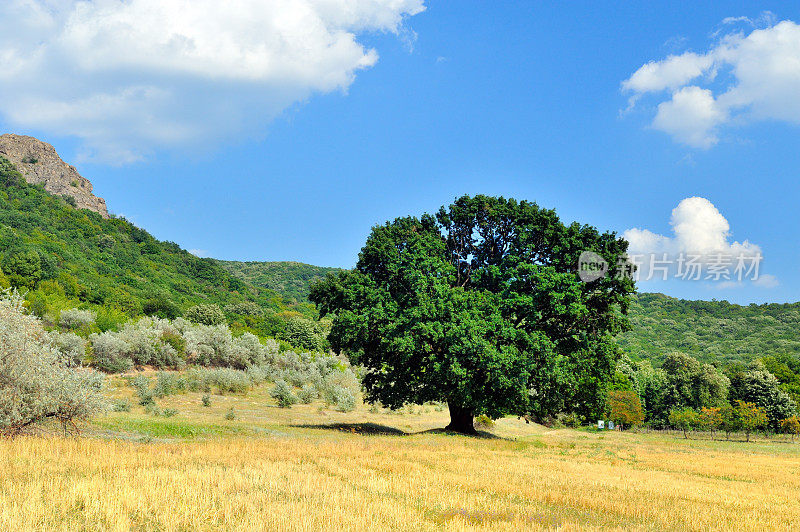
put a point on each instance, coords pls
(357, 428)
(375, 429)
(479, 434)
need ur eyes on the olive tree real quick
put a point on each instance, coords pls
(36, 382)
(482, 307)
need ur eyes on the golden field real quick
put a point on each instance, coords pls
(309, 468)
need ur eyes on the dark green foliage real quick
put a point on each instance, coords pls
(692, 383)
(756, 385)
(716, 332)
(481, 307)
(786, 369)
(681, 382)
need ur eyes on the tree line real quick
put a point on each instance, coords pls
(687, 394)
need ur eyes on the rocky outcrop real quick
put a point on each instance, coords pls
(40, 164)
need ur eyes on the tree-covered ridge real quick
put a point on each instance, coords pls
(292, 280)
(715, 332)
(54, 251)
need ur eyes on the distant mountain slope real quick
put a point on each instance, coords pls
(48, 245)
(712, 331)
(290, 279)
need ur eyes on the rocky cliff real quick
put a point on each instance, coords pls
(40, 164)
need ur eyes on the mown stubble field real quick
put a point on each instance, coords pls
(309, 468)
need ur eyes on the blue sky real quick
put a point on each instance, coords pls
(521, 99)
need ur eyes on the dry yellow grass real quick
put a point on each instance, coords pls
(280, 473)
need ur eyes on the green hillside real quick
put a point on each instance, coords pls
(290, 279)
(67, 256)
(712, 331)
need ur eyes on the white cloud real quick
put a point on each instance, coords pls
(741, 79)
(671, 73)
(698, 228)
(767, 281)
(699, 231)
(202, 253)
(128, 76)
(691, 116)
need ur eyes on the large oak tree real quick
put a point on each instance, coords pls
(481, 306)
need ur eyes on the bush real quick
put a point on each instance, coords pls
(206, 400)
(121, 405)
(344, 399)
(307, 394)
(76, 318)
(231, 414)
(36, 383)
(168, 384)
(142, 386)
(111, 353)
(282, 393)
(205, 315)
(169, 412)
(71, 346)
(226, 380)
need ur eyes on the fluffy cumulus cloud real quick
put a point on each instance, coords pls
(745, 76)
(127, 76)
(701, 236)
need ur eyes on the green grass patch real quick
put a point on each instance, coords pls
(167, 428)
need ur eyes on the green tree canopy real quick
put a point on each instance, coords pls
(692, 383)
(758, 386)
(481, 306)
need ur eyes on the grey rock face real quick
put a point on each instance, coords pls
(39, 163)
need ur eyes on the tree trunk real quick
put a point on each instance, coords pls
(461, 419)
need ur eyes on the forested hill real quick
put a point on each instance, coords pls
(63, 255)
(290, 279)
(712, 331)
